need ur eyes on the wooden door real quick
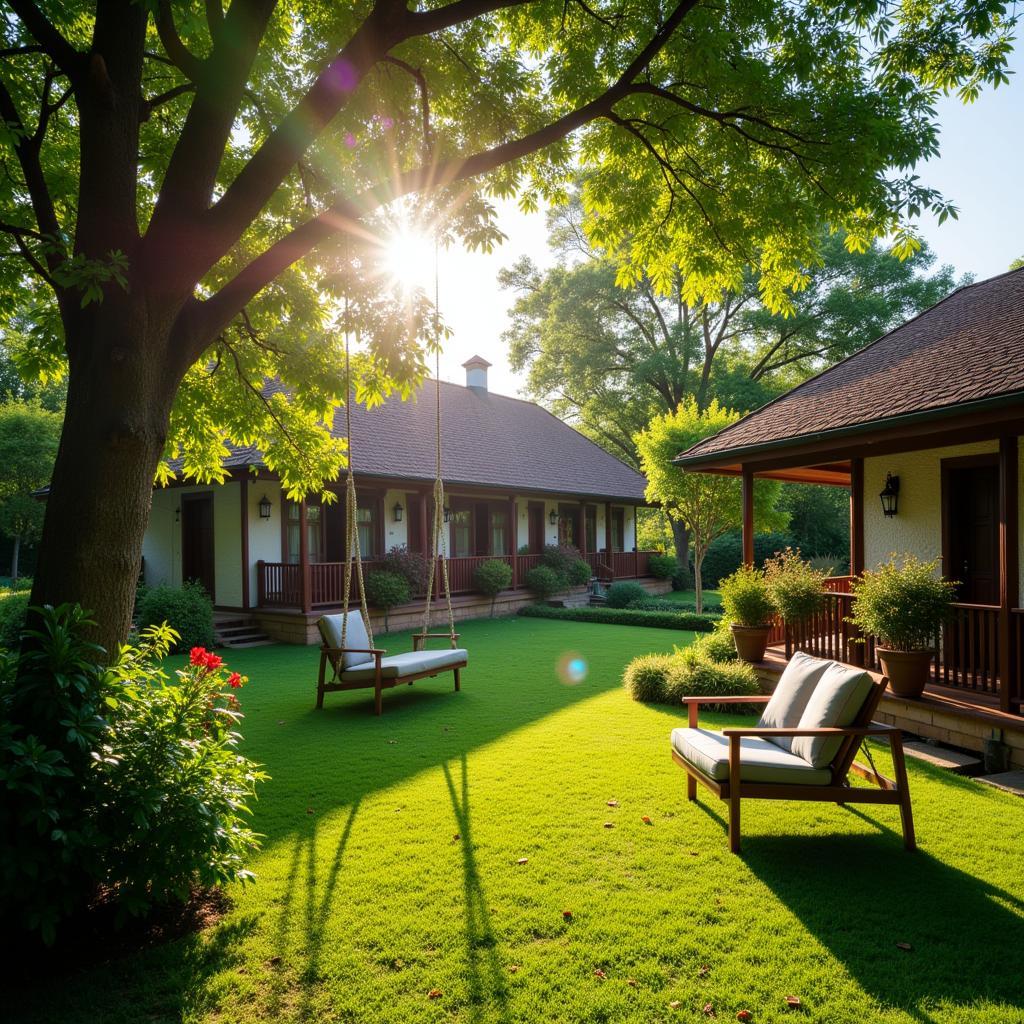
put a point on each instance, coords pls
(197, 540)
(536, 538)
(569, 526)
(972, 532)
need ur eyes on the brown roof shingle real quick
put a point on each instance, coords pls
(968, 347)
(486, 439)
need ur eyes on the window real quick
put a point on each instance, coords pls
(462, 532)
(366, 527)
(314, 532)
(499, 531)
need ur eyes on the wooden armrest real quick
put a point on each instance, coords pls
(760, 699)
(353, 650)
(851, 730)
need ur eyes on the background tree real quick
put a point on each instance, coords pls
(708, 504)
(29, 436)
(180, 176)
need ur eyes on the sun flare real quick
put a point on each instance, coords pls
(409, 258)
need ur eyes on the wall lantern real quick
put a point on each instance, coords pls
(447, 514)
(890, 495)
(398, 510)
(553, 518)
(264, 507)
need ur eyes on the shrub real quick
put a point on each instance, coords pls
(745, 597)
(579, 573)
(725, 554)
(795, 589)
(662, 567)
(560, 558)
(682, 578)
(543, 582)
(622, 595)
(385, 590)
(646, 678)
(13, 609)
(902, 603)
(492, 577)
(717, 646)
(524, 549)
(112, 776)
(712, 679)
(623, 617)
(413, 567)
(188, 610)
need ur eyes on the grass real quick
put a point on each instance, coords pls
(390, 868)
(712, 598)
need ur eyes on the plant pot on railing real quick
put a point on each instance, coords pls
(745, 602)
(903, 604)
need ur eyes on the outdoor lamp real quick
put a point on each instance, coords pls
(264, 507)
(890, 495)
(553, 518)
(398, 510)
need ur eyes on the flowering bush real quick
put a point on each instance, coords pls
(114, 778)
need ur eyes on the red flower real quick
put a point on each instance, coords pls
(198, 656)
(213, 662)
(234, 680)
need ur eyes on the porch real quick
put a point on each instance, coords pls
(314, 586)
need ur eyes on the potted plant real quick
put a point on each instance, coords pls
(795, 588)
(903, 604)
(747, 606)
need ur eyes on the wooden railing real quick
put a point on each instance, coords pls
(279, 584)
(970, 648)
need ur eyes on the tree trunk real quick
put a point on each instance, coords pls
(681, 539)
(698, 586)
(118, 407)
(15, 551)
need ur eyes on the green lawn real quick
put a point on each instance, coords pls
(390, 868)
(712, 598)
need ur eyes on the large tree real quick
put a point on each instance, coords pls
(178, 177)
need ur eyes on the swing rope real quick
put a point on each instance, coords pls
(439, 545)
(352, 511)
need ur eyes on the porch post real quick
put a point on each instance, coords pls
(425, 530)
(1009, 588)
(636, 547)
(583, 529)
(748, 514)
(513, 538)
(304, 576)
(243, 490)
(608, 533)
(856, 516)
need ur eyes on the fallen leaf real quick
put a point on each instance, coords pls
(600, 974)
(709, 1010)
(631, 982)
(434, 993)
(513, 968)
(646, 820)
(309, 810)
(613, 803)
(392, 742)
(280, 721)
(674, 1005)
(744, 1015)
(906, 946)
(274, 961)
(793, 1002)
(566, 915)
(456, 837)
(523, 860)
(609, 824)
(704, 971)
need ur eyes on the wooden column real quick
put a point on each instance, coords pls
(748, 515)
(636, 546)
(243, 490)
(856, 516)
(304, 575)
(583, 529)
(513, 539)
(1009, 586)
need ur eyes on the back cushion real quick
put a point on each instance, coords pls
(792, 692)
(836, 701)
(355, 636)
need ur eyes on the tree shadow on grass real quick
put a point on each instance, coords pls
(484, 974)
(861, 895)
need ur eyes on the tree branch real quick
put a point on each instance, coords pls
(63, 54)
(185, 61)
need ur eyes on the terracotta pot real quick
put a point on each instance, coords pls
(750, 641)
(907, 670)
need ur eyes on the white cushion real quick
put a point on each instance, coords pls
(760, 761)
(792, 692)
(406, 664)
(836, 701)
(355, 635)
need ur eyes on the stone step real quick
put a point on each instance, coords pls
(954, 761)
(263, 641)
(1009, 782)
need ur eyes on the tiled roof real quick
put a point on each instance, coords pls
(487, 440)
(968, 347)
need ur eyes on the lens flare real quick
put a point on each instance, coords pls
(409, 259)
(572, 668)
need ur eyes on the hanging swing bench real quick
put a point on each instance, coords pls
(348, 648)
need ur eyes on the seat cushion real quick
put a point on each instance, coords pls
(408, 664)
(792, 692)
(355, 635)
(836, 701)
(760, 761)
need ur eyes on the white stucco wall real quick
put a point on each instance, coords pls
(917, 527)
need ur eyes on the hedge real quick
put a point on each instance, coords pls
(623, 617)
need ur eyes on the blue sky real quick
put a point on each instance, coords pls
(981, 167)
